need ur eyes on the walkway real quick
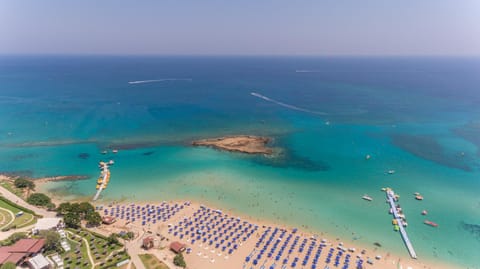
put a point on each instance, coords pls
(390, 195)
(19, 201)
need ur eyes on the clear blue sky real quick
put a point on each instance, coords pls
(252, 27)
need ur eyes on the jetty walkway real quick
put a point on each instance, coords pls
(403, 232)
(105, 175)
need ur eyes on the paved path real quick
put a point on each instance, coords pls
(14, 198)
(5, 235)
(89, 254)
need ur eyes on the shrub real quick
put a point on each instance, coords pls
(24, 183)
(39, 199)
(178, 260)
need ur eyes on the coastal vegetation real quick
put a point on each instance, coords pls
(151, 262)
(52, 240)
(40, 199)
(179, 260)
(23, 183)
(74, 213)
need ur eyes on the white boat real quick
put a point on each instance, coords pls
(366, 197)
(391, 172)
(115, 151)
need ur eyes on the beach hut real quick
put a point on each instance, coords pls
(148, 243)
(177, 247)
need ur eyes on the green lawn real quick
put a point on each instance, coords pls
(11, 188)
(104, 255)
(22, 221)
(77, 257)
(5, 217)
(151, 262)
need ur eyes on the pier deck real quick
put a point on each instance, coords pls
(104, 182)
(403, 232)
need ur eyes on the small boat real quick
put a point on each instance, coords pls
(418, 197)
(390, 211)
(367, 157)
(424, 212)
(98, 186)
(431, 223)
(366, 197)
(394, 222)
(396, 228)
(111, 162)
(391, 172)
(115, 151)
(104, 152)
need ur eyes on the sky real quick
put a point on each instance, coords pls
(243, 27)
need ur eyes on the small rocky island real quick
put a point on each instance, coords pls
(238, 143)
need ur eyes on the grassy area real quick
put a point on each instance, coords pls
(11, 188)
(21, 221)
(77, 257)
(5, 217)
(151, 262)
(104, 255)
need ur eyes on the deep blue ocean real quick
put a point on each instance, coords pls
(417, 116)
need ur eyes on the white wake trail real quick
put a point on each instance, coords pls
(287, 105)
(158, 80)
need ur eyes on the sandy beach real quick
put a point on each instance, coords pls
(205, 255)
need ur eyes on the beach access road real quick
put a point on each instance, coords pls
(14, 198)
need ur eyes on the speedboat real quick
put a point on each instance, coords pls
(424, 212)
(391, 172)
(366, 197)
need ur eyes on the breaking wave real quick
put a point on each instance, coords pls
(287, 105)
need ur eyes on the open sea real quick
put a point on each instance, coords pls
(417, 116)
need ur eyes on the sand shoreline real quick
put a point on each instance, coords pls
(389, 259)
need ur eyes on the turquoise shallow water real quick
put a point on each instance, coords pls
(419, 117)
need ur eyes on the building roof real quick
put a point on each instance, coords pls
(38, 262)
(47, 223)
(11, 257)
(27, 245)
(177, 246)
(20, 250)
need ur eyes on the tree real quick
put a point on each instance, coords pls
(39, 199)
(72, 220)
(64, 208)
(24, 183)
(85, 208)
(93, 219)
(52, 240)
(8, 265)
(112, 239)
(178, 260)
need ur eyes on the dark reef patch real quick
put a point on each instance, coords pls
(84, 156)
(426, 147)
(470, 132)
(472, 228)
